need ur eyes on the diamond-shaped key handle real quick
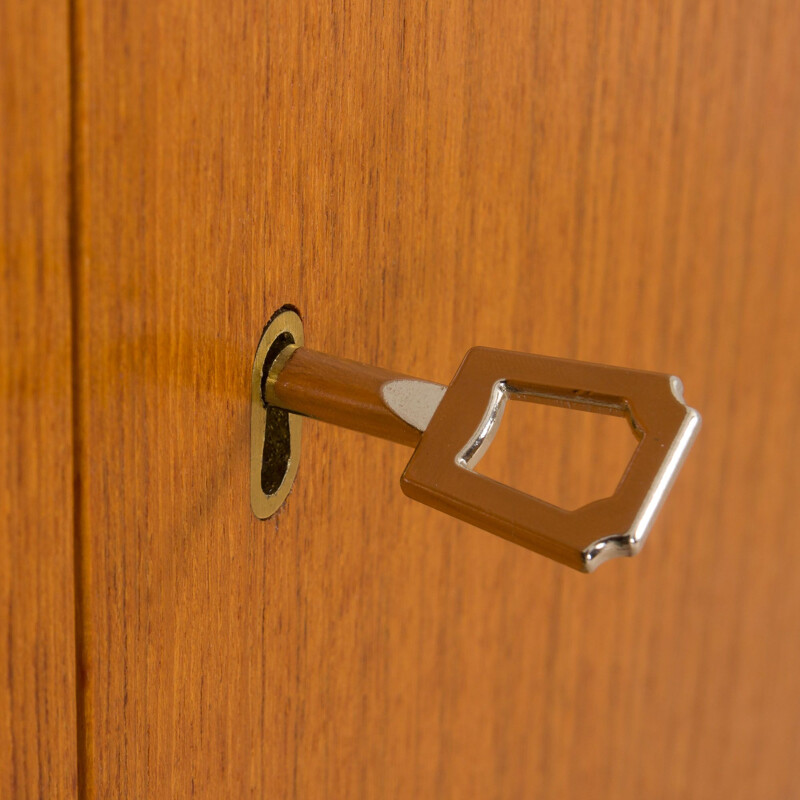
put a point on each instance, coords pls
(450, 427)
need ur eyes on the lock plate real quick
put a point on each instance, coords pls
(274, 432)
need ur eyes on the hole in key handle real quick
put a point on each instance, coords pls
(566, 457)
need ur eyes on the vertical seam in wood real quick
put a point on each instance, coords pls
(76, 252)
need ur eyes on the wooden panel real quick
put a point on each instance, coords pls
(614, 182)
(37, 618)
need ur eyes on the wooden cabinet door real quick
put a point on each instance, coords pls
(38, 728)
(615, 182)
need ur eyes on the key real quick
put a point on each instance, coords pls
(451, 427)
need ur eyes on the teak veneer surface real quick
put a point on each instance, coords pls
(616, 182)
(38, 733)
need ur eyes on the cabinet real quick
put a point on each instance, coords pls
(612, 182)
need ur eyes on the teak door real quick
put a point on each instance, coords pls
(615, 182)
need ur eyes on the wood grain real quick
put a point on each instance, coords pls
(616, 182)
(38, 733)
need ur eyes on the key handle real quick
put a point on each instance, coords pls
(441, 470)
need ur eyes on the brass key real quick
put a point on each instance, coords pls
(451, 427)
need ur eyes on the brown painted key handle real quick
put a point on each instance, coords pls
(450, 428)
